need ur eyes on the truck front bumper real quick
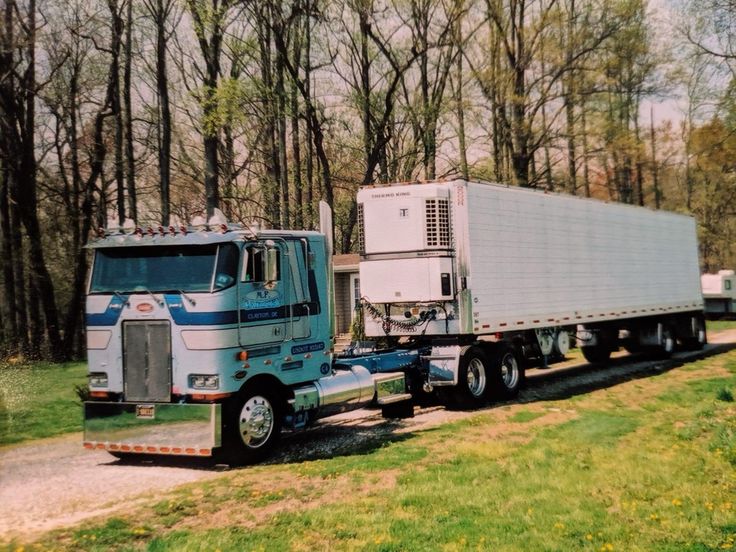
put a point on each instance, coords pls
(152, 428)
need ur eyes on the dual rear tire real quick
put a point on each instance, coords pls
(485, 374)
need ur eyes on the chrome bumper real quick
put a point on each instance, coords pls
(152, 428)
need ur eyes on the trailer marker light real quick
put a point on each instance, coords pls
(190, 451)
(165, 450)
(88, 445)
(100, 446)
(151, 449)
(176, 450)
(138, 448)
(125, 448)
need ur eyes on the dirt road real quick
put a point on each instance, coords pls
(55, 483)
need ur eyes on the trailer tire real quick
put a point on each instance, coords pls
(667, 346)
(597, 354)
(698, 341)
(507, 372)
(473, 379)
(251, 426)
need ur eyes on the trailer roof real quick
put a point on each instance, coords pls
(520, 190)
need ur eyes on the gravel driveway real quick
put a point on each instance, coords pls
(55, 483)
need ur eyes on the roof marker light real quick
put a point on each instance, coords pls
(150, 231)
(162, 230)
(138, 231)
(172, 230)
(183, 229)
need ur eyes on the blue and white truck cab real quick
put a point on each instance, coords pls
(212, 339)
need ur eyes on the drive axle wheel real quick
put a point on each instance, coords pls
(251, 426)
(508, 374)
(472, 383)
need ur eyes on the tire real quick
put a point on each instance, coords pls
(473, 379)
(251, 426)
(667, 347)
(597, 354)
(507, 373)
(697, 342)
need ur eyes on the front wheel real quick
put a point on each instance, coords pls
(251, 426)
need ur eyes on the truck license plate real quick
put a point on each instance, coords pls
(147, 411)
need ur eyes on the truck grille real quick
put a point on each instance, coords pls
(147, 360)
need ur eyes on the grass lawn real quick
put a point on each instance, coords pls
(718, 325)
(38, 400)
(646, 465)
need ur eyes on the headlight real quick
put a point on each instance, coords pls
(197, 381)
(98, 379)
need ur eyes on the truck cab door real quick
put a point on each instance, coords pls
(264, 307)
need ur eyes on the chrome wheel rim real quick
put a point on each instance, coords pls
(510, 371)
(476, 377)
(256, 421)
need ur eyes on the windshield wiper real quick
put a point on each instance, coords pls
(123, 298)
(185, 296)
(159, 303)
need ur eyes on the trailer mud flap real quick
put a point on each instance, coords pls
(152, 428)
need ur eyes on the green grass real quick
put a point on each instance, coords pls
(718, 325)
(38, 400)
(647, 465)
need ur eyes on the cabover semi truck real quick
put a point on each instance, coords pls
(210, 340)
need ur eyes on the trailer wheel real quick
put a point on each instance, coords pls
(473, 376)
(597, 354)
(699, 339)
(251, 426)
(667, 344)
(507, 373)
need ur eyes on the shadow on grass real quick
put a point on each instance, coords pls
(363, 435)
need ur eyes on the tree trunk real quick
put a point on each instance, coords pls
(162, 87)
(117, 34)
(129, 150)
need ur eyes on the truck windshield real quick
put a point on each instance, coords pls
(188, 268)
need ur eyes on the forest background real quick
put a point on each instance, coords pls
(151, 109)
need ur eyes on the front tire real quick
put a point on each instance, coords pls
(252, 426)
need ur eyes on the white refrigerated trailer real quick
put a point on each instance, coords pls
(490, 275)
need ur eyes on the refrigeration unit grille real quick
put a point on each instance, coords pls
(361, 229)
(437, 222)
